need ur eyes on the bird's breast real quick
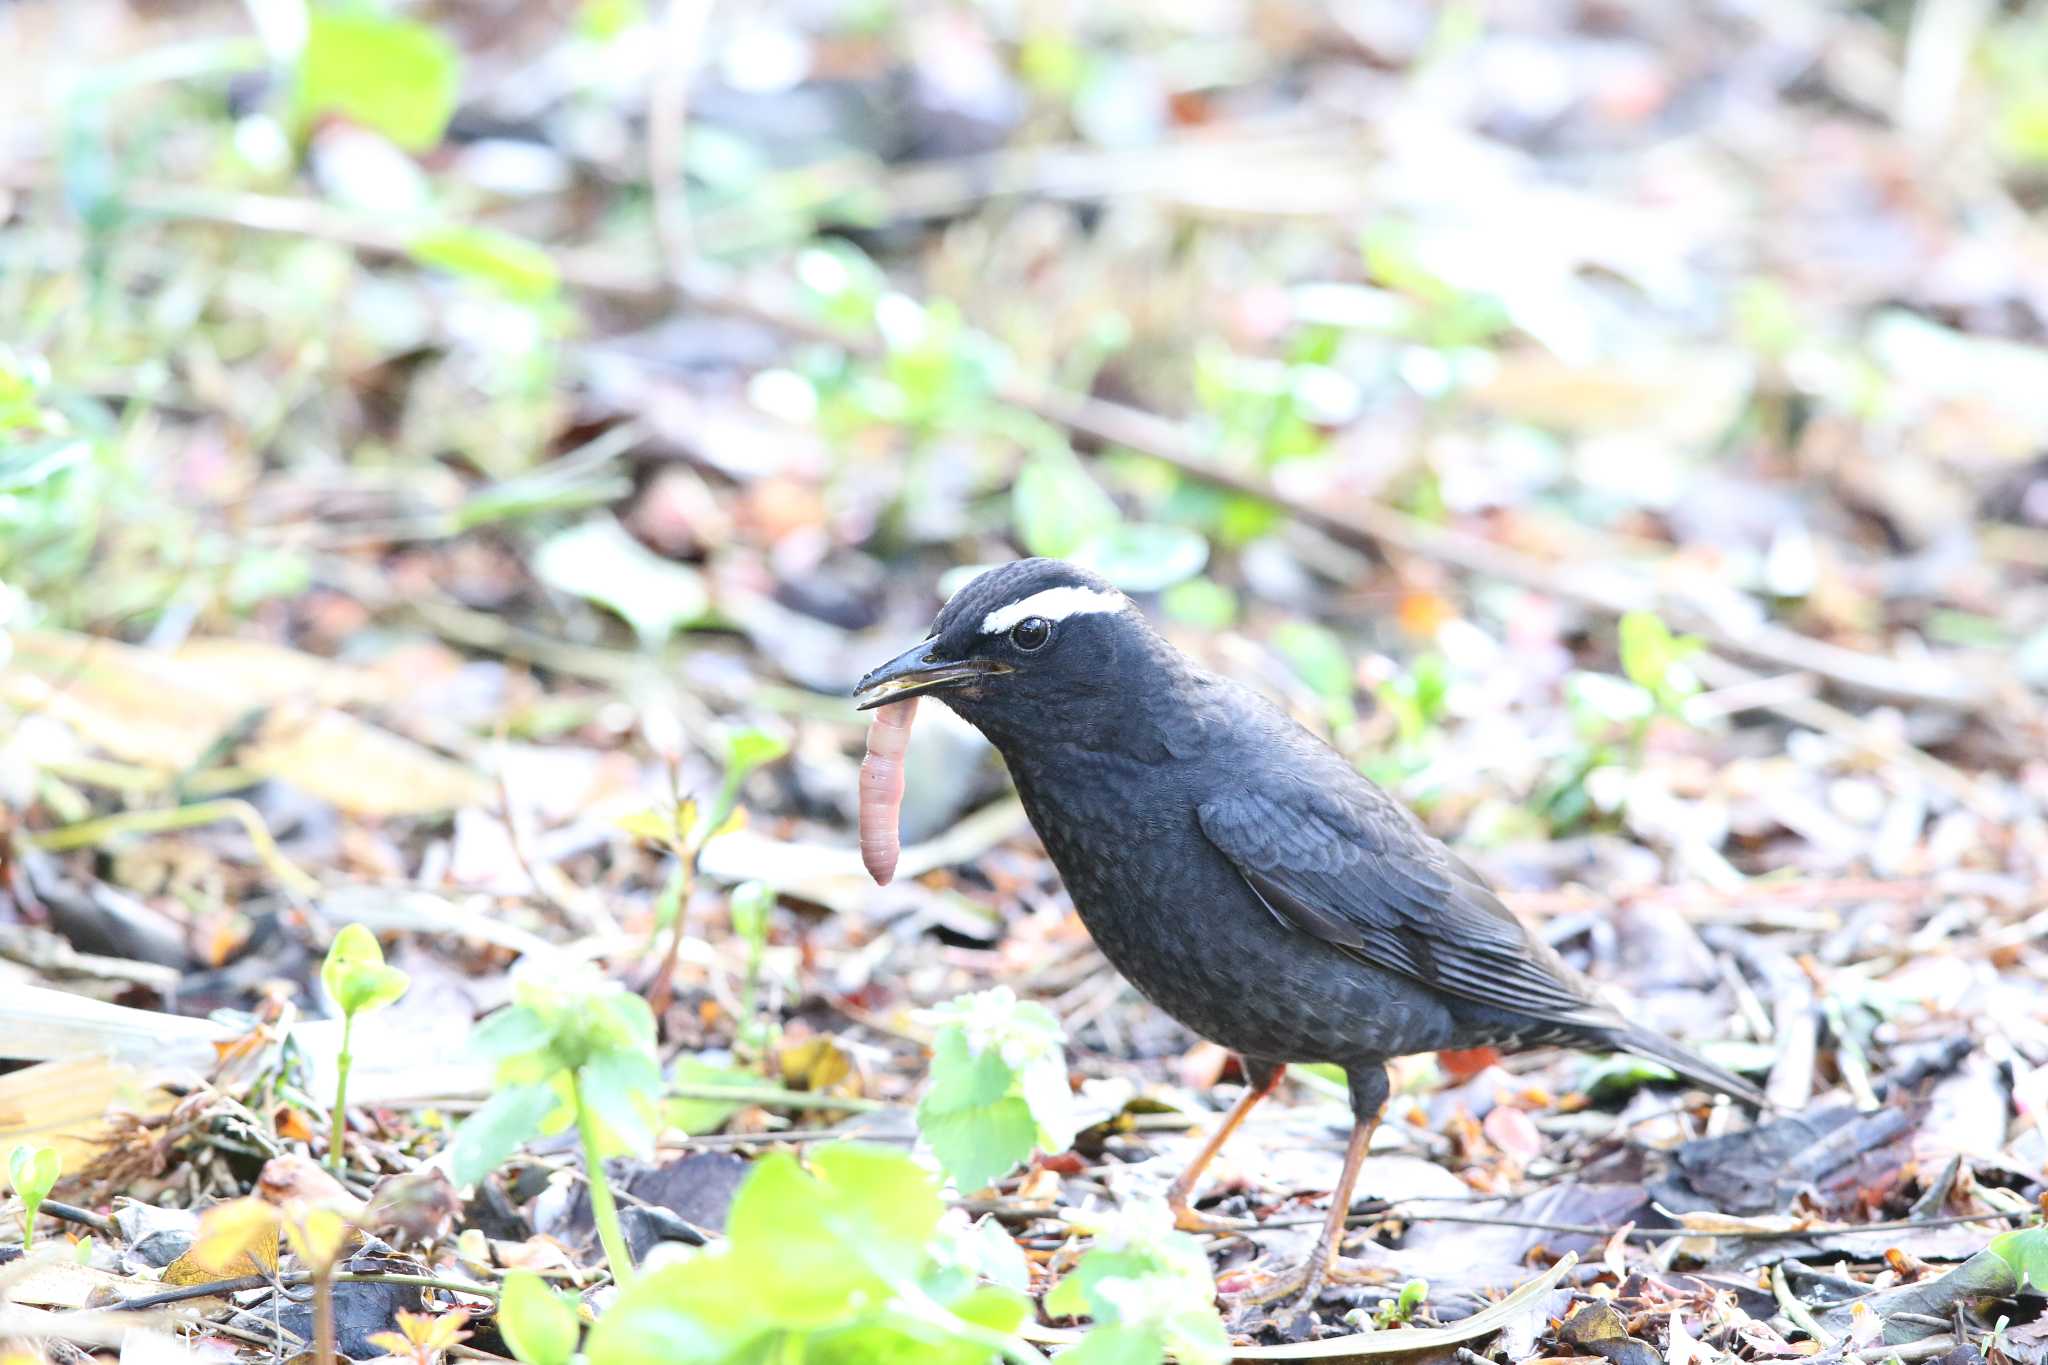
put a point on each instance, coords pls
(1178, 921)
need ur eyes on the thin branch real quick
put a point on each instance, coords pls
(71, 1213)
(668, 113)
(95, 831)
(1392, 1214)
(296, 1279)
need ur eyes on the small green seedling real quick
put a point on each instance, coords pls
(1657, 661)
(33, 1172)
(356, 979)
(685, 828)
(751, 902)
(999, 1086)
(1403, 1308)
(1613, 716)
(846, 1257)
(581, 1053)
(1150, 1292)
(539, 1324)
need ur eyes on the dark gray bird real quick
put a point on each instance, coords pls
(1237, 870)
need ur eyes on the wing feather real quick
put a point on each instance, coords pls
(1352, 868)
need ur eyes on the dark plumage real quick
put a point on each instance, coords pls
(1235, 868)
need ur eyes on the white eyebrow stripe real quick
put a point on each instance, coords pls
(1053, 604)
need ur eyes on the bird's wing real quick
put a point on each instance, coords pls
(1352, 868)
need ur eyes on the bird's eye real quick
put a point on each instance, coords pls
(1031, 633)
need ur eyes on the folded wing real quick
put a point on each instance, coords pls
(1352, 868)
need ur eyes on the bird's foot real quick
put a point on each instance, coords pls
(1188, 1218)
(1303, 1283)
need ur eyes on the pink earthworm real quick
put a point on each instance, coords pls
(881, 788)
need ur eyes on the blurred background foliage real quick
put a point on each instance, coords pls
(717, 319)
(456, 456)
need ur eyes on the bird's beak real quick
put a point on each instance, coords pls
(915, 672)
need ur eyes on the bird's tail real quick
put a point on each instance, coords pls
(1655, 1046)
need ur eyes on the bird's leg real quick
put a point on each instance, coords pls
(1262, 1078)
(1369, 1089)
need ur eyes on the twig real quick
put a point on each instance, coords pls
(787, 1137)
(202, 1291)
(1797, 1312)
(587, 914)
(325, 1349)
(297, 1278)
(1852, 729)
(668, 111)
(1849, 1057)
(1926, 1348)
(71, 1213)
(89, 832)
(780, 1097)
(1390, 1214)
(482, 1291)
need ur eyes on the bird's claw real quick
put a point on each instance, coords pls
(1303, 1283)
(1187, 1218)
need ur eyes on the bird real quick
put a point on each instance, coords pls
(1239, 872)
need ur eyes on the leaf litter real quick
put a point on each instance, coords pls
(408, 546)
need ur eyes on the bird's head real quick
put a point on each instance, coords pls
(1028, 645)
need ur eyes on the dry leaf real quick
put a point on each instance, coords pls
(235, 1239)
(162, 711)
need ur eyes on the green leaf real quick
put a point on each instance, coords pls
(749, 748)
(999, 1309)
(979, 1146)
(1114, 1345)
(511, 1031)
(369, 987)
(387, 73)
(655, 825)
(598, 560)
(1402, 1309)
(628, 1020)
(998, 1086)
(2026, 1251)
(1200, 602)
(512, 266)
(494, 1132)
(821, 1264)
(697, 1312)
(538, 1324)
(1318, 657)
(603, 20)
(700, 1116)
(352, 945)
(884, 1204)
(1653, 658)
(985, 1250)
(1144, 556)
(621, 1087)
(783, 1215)
(33, 1172)
(1058, 508)
(354, 974)
(35, 463)
(896, 1337)
(749, 907)
(1149, 1290)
